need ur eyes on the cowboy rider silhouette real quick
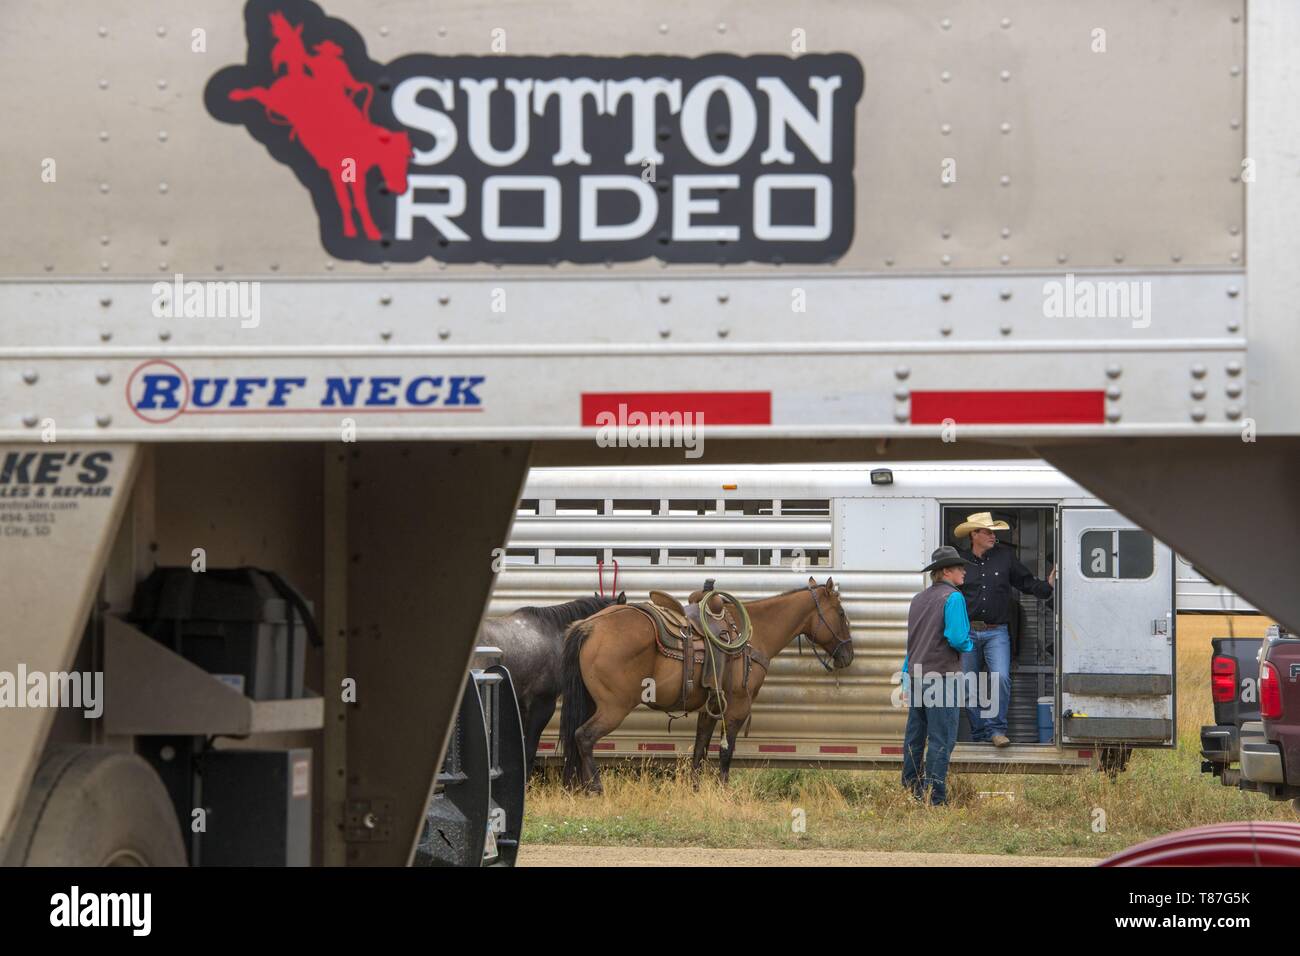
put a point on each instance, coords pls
(333, 74)
(328, 71)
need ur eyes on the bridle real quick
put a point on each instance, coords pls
(840, 642)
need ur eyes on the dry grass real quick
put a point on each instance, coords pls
(1077, 815)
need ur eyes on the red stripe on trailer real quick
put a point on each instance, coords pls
(835, 749)
(1082, 407)
(776, 748)
(717, 408)
(656, 746)
(603, 747)
(1084, 753)
(546, 746)
(891, 750)
(715, 748)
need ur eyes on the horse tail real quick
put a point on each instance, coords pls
(578, 705)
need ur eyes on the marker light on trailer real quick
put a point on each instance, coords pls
(1223, 679)
(1270, 692)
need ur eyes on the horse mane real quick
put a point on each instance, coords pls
(561, 616)
(802, 588)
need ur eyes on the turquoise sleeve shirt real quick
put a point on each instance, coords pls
(956, 625)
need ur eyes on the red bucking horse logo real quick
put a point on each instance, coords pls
(316, 97)
(315, 115)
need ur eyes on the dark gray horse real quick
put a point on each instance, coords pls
(531, 641)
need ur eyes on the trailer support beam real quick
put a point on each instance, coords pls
(51, 565)
(1229, 506)
(424, 523)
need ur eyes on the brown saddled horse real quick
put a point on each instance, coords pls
(608, 656)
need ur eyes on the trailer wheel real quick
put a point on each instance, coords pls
(91, 806)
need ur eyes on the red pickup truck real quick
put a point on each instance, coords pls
(1270, 750)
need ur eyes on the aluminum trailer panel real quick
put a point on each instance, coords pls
(1049, 231)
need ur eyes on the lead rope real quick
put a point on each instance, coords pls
(600, 571)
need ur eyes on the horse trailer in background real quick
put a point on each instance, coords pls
(1197, 594)
(1103, 647)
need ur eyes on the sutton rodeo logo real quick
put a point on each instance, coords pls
(719, 158)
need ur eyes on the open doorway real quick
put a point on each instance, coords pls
(1030, 621)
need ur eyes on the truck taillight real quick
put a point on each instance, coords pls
(1223, 679)
(1270, 692)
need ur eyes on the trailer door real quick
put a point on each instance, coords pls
(1115, 608)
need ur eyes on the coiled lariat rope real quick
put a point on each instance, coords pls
(724, 644)
(745, 627)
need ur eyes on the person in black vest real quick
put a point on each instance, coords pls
(937, 634)
(995, 570)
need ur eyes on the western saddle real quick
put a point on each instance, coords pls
(711, 631)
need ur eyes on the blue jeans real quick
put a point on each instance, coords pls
(992, 653)
(938, 727)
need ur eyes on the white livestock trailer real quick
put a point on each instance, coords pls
(1104, 647)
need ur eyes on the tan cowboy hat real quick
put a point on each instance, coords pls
(982, 520)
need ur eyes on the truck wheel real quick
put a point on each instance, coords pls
(91, 806)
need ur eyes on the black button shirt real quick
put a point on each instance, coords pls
(988, 584)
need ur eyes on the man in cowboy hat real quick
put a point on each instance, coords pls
(332, 73)
(937, 634)
(995, 571)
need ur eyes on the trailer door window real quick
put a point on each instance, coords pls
(1115, 553)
